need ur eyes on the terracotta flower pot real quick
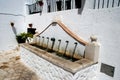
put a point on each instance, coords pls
(30, 25)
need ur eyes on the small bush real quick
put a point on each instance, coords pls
(21, 38)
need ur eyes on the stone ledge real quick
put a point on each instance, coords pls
(67, 65)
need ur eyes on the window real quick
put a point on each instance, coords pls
(67, 4)
(54, 5)
(48, 5)
(35, 8)
(59, 5)
(77, 3)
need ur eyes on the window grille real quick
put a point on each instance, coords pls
(35, 8)
(55, 5)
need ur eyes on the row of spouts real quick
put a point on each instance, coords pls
(41, 45)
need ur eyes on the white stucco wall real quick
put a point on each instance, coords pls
(13, 7)
(11, 11)
(104, 23)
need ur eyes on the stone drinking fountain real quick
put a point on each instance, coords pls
(45, 57)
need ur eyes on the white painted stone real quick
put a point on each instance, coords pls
(92, 50)
(48, 71)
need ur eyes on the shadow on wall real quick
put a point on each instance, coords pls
(81, 4)
(13, 28)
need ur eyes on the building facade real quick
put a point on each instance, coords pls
(85, 18)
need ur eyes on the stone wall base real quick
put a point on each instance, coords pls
(49, 71)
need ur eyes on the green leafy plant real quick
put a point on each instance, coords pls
(21, 38)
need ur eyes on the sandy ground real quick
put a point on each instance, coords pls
(11, 68)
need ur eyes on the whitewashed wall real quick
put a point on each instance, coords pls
(104, 23)
(10, 11)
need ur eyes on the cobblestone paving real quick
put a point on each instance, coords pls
(12, 69)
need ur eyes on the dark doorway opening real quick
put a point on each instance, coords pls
(68, 4)
(78, 3)
(59, 5)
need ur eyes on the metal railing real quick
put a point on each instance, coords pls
(105, 3)
(54, 5)
(35, 8)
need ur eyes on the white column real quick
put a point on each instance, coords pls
(92, 50)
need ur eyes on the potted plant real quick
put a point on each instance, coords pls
(21, 38)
